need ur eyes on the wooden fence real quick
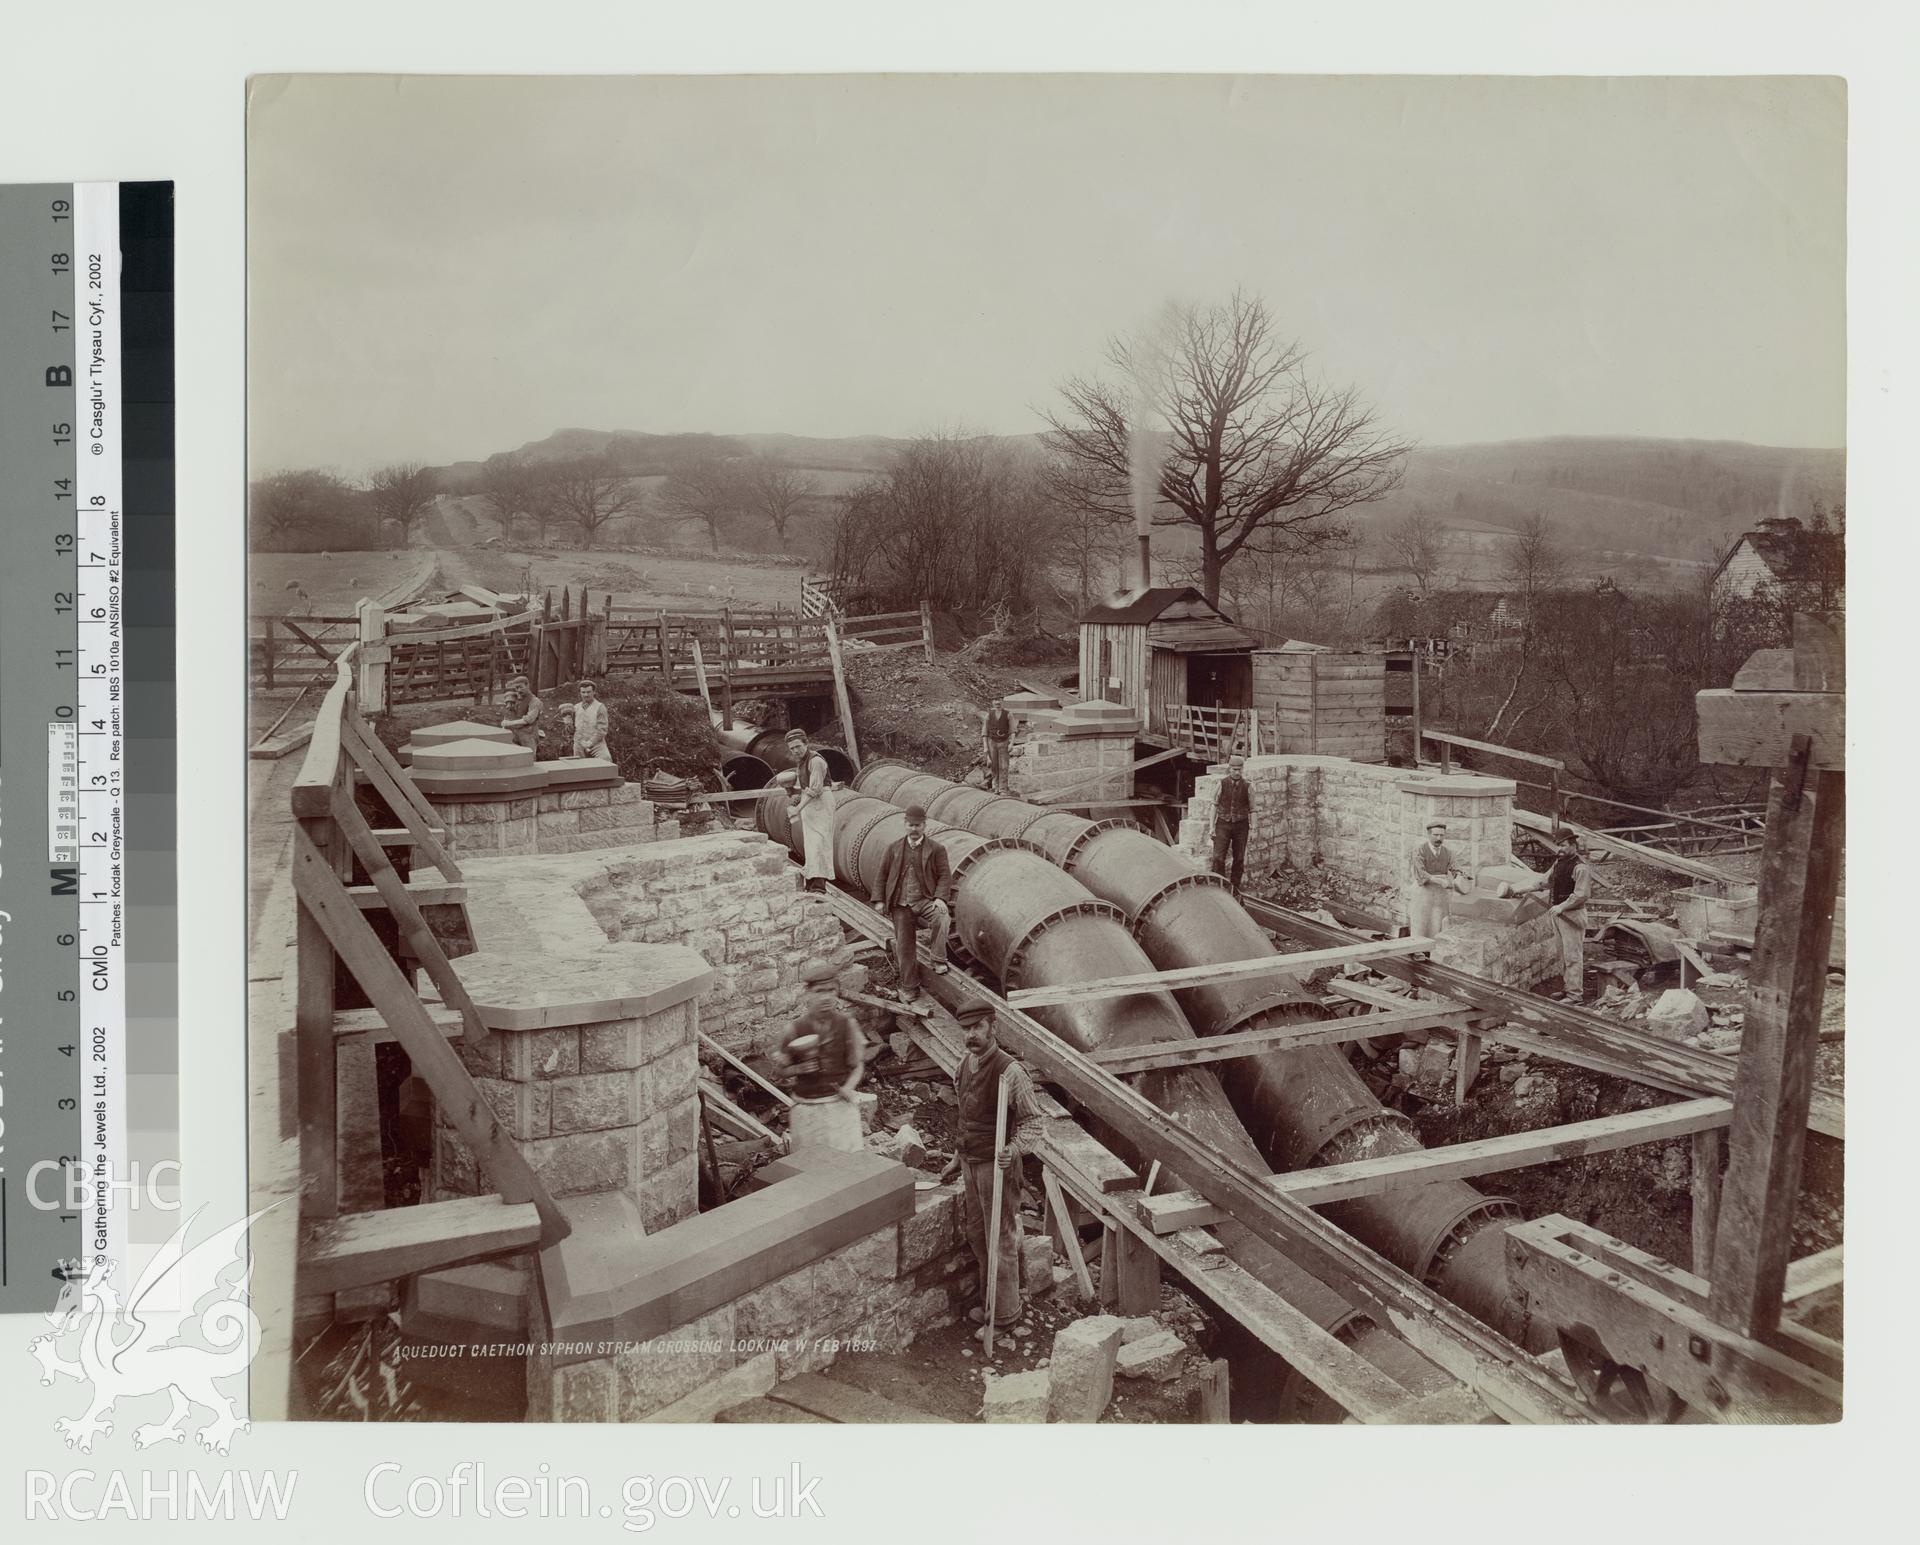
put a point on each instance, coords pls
(591, 635)
(1215, 733)
(293, 652)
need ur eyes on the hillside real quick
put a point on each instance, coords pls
(1649, 511)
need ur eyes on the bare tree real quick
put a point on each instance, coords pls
(402, 492)
(285, 505)
(707, 489)
(1088, 538)
(954, 520)
(1414, 543)
(776, 490)
(516, 485)
(1217, 424)
(1533, 565)
(585, 491)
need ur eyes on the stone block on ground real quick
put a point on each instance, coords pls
(1036, 1264)
(1016, 1397)
(1678, 1013)
(1081, 1368)
(1137, 1328)
(1158, 1357)
(906, 1145)
(869, 1105)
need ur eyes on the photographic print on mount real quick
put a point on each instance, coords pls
(1046, 748)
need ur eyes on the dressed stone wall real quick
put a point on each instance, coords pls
(734, 897)
(1355, 826)
(551, 821)
(876, 1293)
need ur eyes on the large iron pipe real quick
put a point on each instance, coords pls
(1031, 924)
(748, 743)
(1301, 1107)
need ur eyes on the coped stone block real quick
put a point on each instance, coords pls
(1081, 1368)
(1158, 1357)
(1016, 1397)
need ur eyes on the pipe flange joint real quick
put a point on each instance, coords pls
(991, 845)
(1200, 877)
(1017, 952)
(1094, 829)
(1483, 1211)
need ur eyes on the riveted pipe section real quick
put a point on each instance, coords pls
(1031, 924)
(1301, 1107)
(748, 744)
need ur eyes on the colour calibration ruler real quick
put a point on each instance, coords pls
(89, 1064)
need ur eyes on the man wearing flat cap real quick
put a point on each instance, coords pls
(823, 1050)
(1232, 820)
(916, 891)
(1436, 873)
(976, 1083)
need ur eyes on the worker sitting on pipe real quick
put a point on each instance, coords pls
(976, 1084)
(916, 891)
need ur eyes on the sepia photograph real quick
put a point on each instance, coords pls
(1127, 749)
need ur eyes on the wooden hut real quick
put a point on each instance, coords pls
(1315, 701)
(1165, 647)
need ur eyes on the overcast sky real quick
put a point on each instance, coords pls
(443, 268)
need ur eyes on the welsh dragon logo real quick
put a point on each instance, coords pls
(125, 1353)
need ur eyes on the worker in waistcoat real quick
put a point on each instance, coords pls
(522, 717)
(997, 736)
(1436, 874)
(823, 1050)
(1566, 885)
(812, 803)
(1232, 820)
(977, 1085)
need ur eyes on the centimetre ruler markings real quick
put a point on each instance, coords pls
(63, 1020)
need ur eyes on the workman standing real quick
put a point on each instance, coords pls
(589, 723)
(522, 717)
(1232, 820)
(1566, 885)
(1436, 873)
(823, 1048)
(916, 891)
(997, 737)
(977, 1084)
(811, 802)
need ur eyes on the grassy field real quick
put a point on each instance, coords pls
(458, 527)
(330, 583)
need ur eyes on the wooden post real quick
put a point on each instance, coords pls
(726, 700)
(666, 659)
(372, 685)
(266, 654)
(1466, 1066)
(1446, 759)
(1773, 1090)
(840, 690)
(314, 1053)
(700, 675)
(926, 630)
(993, 1216)
(1209, 1396)
(1559, 807)
(1708, 1150)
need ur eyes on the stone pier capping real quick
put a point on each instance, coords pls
(611, 1281)
(584, 985)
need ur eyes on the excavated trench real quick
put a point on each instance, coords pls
(1301, 1107)
(1030, 923)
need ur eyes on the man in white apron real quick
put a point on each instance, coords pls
(589, 724)
(813, 803)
